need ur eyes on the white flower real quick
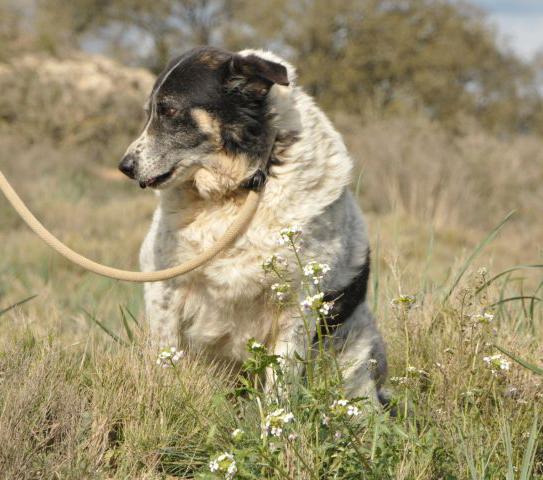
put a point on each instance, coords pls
(484, 318)
(414, 371)
(281, 365)
(170, 356)
(287, 418)
(275, 422)
(497, 364)
(281, 291)
(274, 262)
(325, 419)
(224, 463)
(213, 465)
(398, 380)
(326, 307)
(255, 346)
(316, 303)
(289, 234)
(344, 407)
(316, 271)
(292, 437)
(352, 411)
(237, 433)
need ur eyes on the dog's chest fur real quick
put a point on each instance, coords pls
(212, 305)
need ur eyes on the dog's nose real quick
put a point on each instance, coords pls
(128, 165)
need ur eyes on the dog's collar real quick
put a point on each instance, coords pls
(258, 179)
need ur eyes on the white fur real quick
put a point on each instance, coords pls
(222, 304)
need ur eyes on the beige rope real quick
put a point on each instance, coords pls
(236, 228)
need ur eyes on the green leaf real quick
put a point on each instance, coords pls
(530, 452)
(114, 336)
(520, 297)
(505, 272)
(127, 328)
(476, 252)
(133, 317)
(524, 363)
(15, 305)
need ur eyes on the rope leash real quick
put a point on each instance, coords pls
(232, 233)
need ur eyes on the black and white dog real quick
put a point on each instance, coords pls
(213, 118)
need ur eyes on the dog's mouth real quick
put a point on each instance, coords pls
(157, 181)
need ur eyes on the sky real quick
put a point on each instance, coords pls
(520, 23)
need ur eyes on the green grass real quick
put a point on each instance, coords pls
(98, 405)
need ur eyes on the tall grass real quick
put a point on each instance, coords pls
(103, 408)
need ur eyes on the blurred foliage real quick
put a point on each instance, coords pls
(359, 56)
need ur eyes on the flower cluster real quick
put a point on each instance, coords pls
(275, 422)
(169, 357)
(497, 364)
(224, 463)
(398, 380)
(289, 235)
(316, 271)
(415, 372)
(256, 347)
(237, 434)
(280, 366)
(281, 291)
(482, 318)
(343, 407)
(316, 303)
(275, 262)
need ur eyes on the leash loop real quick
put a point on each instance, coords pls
(232, 233)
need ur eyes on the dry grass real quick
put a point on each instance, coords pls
(74, 404)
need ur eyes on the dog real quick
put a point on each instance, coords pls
(218, 124)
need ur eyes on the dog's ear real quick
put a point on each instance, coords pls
(255, 75)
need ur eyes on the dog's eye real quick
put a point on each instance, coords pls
(168, 111)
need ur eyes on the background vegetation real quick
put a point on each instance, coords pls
(444, 127)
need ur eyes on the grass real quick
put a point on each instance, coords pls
(75, 403)
(97, 408)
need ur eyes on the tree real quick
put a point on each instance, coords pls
(386, 56)
(390, 55)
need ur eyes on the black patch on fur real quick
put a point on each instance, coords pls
(346, 300)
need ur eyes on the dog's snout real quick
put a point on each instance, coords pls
(128, 165)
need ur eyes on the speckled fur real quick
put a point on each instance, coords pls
(222, 304)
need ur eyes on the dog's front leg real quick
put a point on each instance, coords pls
(162, 316)
(163, 330)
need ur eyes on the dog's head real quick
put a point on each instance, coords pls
(207, 114)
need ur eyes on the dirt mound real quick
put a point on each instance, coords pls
(77, 99)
